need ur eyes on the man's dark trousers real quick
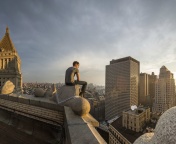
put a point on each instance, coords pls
(83, 83)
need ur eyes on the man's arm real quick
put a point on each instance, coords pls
(78, 76)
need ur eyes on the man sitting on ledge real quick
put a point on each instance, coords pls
(69, 77)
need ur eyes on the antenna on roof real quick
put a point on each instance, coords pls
(133, 107)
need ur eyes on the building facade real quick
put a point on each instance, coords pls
(115, 137)
(136, 119)
(143, 88)
(147, 89)
(97, 109)
(121, 86)
(152, 80)
(131, 125)
(10, 63)
(164, 91)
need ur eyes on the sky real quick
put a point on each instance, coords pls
(50, 34)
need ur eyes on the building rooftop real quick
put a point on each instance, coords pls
(124, 59)
(144, 74)
(130, 135)
(6, 43)
(18, 129)
(137, 111)
(38, 120)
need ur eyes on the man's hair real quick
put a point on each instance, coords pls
(75, 62)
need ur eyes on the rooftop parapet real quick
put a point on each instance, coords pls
(78, 129)
(81, 130)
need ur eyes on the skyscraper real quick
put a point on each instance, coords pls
(121, 86)
(164, 91)
(152, 80)
(147, 89)
(10, 63)
(143, 88)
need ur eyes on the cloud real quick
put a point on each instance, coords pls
(50, 35)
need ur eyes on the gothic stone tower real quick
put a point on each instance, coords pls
(10, 63)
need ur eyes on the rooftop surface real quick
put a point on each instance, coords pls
(39, 120)
(16, 129)
(124, 59)
(137, 111)
(130, 135)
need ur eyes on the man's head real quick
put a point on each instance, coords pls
(76, 64)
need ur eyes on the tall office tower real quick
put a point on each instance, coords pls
(143, 88)
(10, 63)
(147, 89)
(164, 91)
(152, 80)
(121, 86)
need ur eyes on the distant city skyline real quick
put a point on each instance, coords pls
(50, 35)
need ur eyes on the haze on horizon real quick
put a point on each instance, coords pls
(50, 35)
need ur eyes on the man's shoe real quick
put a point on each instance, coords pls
(81, 94)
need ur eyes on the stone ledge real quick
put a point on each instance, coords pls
(81, 130)
(90, 120)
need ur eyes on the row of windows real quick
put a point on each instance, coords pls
(4, 54)
(4, 62)
(116, 139)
